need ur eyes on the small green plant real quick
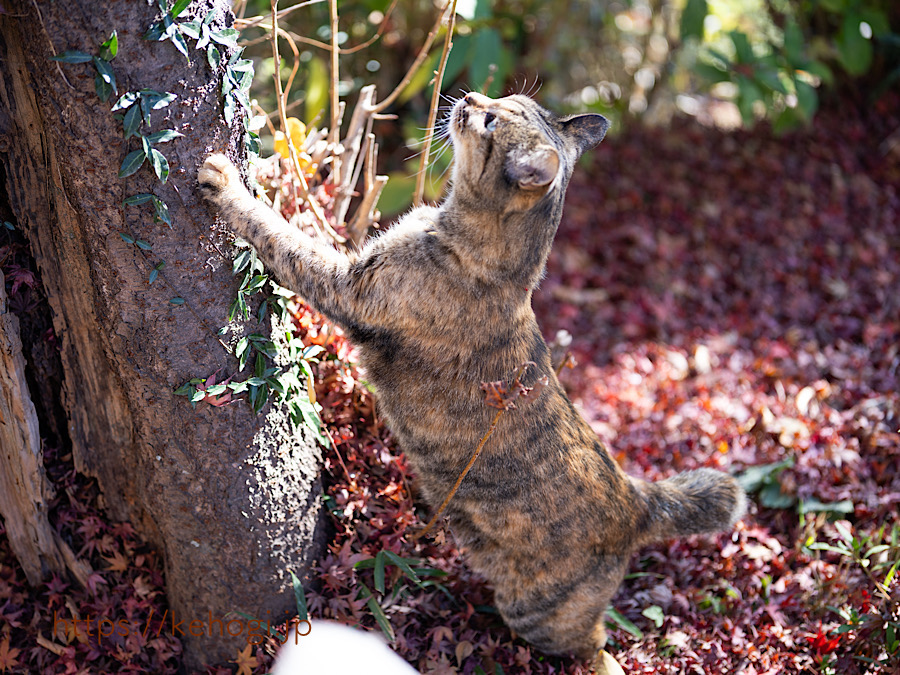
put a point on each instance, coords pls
(872, 614)
(407, 570)
(104, 79)
(763, 481)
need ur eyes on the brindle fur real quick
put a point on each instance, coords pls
(441, 303)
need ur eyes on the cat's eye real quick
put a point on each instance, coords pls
(490, 121)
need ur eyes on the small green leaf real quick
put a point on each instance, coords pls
(186, 389)
(110, 48)
(135, 200)
(241, 261)
(404, 566)
(773, 497)
(132, 162)
(160, 164)
(216, 389)
(179, 7)
(140, 243)
(261, 312)
(258, 397)
(855, 52)
(242, 306)
(181, 45)
(161, 211)
(268, 348)
(742, 47)
(198, 395)
(238, 387)
(807, 99)
(754, 477)
(821, 546)
(793, 44)
(379, 572)
(153, 274)
(380, 617)
(72, 56)
(312, 352)
(156, 32)
(191, 29)
(256, 283)
(177, 301)
(126, 237)
(226, 37)
(163, 136)
(241, 66)
(276, 385)
(230, 107)
(242, 351)
(8, 225)
(105, 71)
(132, 122)
(299, 597)
(213, 57)
(155, 99)
(205, 37)
(655, 614)
(125, 101)
(102, 88)
(813, 505)
(844, 532)
(623, 623)
(692, 19)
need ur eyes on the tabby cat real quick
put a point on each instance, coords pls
(441, 303)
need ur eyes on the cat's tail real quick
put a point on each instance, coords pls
(694, 502)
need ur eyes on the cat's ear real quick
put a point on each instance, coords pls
(535, 169)
(586, 130)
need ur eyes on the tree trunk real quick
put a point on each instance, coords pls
(24, 488)
(231, 498)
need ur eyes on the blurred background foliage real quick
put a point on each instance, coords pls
(727, 62)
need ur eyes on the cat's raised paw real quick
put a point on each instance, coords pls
(216, 174)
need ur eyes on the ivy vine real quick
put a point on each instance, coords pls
(292, 384)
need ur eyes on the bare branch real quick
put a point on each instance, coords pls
(432, 113)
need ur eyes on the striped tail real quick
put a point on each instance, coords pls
(694, 502)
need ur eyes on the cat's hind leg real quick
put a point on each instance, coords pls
(567, 618)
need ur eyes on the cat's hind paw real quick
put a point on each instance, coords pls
(216, 175)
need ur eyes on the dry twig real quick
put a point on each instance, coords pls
(432, 113)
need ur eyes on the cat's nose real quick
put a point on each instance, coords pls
(477, 100)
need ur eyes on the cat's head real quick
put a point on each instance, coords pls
(512, 152)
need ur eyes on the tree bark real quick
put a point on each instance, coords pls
(232, 499)
(24, 488)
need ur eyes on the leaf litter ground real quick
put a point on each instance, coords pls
(733, 301)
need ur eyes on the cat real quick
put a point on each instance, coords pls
(441, 303)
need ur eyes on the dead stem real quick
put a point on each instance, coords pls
(484, 439)
(242, 23)
(320, 218)
(420, 58)
(335, 105)
(432, 113)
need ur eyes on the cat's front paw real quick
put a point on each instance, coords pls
(216, 176)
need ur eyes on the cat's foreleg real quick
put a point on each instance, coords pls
(316, 271)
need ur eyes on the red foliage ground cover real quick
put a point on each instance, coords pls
(733, 301)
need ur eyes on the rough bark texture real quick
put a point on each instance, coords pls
(24, 488)
(231, 498)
